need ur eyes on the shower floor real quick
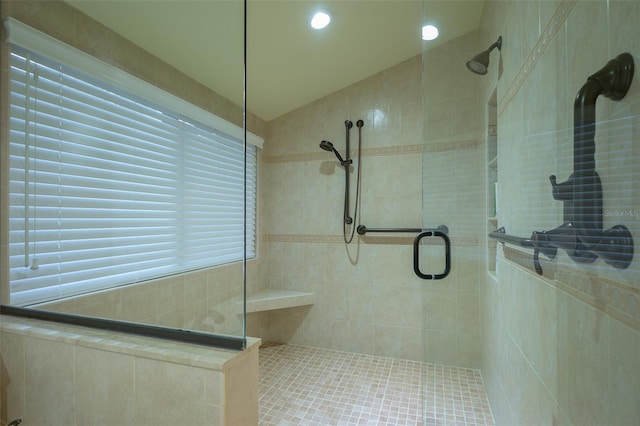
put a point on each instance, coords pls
(312, 386)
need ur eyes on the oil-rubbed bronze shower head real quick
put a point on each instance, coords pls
(328, 146)
(480, 63)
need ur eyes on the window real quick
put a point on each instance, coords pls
(108, 187)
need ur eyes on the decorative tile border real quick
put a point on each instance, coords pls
(555, 23)
(297, 238)
(378, 152)
(392, 150)
(452, 145)
(613, 298)
(618, 300)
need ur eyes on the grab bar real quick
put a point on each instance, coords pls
(549, 251)
(362, 230)
(501, 235)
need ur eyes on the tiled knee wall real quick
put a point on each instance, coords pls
(58, 374)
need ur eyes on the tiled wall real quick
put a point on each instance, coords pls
(563, 348)
(368, 298)
(204, 300)
(57, 374)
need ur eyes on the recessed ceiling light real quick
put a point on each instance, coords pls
(320, 20)
(429, 32)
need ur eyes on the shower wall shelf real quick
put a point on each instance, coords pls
(272, 299)
(582, 235)
(491, 190)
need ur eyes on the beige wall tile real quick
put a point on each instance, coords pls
(623, 361)
(167, 394)
(362, 337)
(412, 344)
(104, 388)
(194, 288)
(586, 349)
(241, 389)
(441, 346)
(467, 308)
(388, 341)
(139, 303)
(361, 307)
(49, 363)
(440, 310)
(170, 294)
(467, 350)
(12, 377)
(339, 334)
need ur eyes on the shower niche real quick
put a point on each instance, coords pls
(491, 150)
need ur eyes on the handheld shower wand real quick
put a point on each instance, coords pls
(328, 146)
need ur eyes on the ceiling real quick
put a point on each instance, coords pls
(288, 63)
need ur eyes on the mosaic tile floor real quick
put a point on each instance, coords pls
(311, 386)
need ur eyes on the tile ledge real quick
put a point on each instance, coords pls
(128, 344)
(271, 299)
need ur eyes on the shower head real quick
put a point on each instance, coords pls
(328, 146)
(480, 63)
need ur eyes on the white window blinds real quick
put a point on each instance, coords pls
(107, 188)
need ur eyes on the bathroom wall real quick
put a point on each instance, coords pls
(367, 297)
(562, 348)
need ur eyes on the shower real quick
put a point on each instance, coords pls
(328, 146)
(480, 63)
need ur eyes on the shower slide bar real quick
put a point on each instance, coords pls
(582, 235)
(441, 232)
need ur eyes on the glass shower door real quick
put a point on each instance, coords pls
(542, 147)
(127, 161)
(453, 184)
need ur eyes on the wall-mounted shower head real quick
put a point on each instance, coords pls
(328, 146)
(480, 63)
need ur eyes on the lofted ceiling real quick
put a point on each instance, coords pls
(288, 63)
